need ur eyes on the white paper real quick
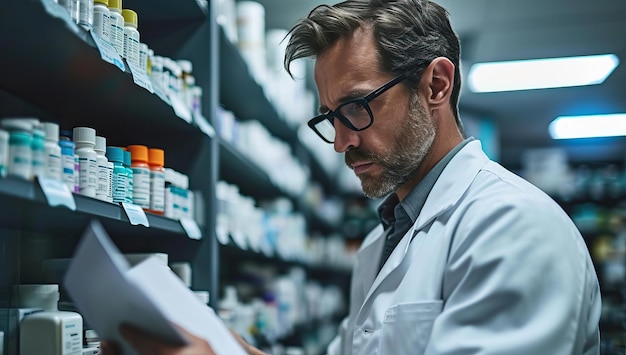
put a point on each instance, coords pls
(182, 307)
(107, 293)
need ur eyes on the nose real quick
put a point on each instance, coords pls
(345, 138)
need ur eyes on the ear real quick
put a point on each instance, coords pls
(437, 81)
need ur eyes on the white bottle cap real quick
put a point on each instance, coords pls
(101, 144)
(185, 65)
(19, 124)
(52, 131)
(84, 135)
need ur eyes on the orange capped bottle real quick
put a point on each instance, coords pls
(156, 161)
(141, 175)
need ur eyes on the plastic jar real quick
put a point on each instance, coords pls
(37, 148)
(141, 175)
(129, 174)
(119, 177)
(101, 19)
(131, 38)
(116, 20)
(85, 14)
(156, 159)
(85, 140)
(68, 167)
(52, 152)
(105, 170)
(20, 154)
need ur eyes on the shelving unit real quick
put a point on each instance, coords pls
(52, 70)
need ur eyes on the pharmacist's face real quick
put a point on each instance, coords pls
(387, 154)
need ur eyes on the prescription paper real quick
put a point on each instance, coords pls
(108, 292)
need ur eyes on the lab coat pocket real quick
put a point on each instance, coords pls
(406, 327)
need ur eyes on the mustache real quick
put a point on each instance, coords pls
(356, 155)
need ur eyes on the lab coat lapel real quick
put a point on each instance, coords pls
(368, 258)
(453, 182)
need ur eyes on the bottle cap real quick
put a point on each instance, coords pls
(106, 2)
(156, 157)
(138, 153)
(52, 131)
(84, 135)
(130, 17)
(17, 124)
(115, 154)
(101, 144)
(115, 4)
(127, 158)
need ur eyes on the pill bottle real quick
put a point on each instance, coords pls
(37, 147)
(68, 164)
(116, 34)
(85, 14)
(20, 153)
(141, 175)
(52, 152)
(156, 159)
(85, 140)
(72, 8)
(143, 57)
(4, 152)
(101, 19)
(131, 38)
(129, 174)
(119, 178)
(105, 170)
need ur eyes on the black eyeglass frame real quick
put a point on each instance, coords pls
(364, 101)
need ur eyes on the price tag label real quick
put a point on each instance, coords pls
(181, 109)
(141, 78)
(108, 53)
(191, 228)
(58, 11)
(135, 214)
(57, 193)
(158, 89)
(204, 125)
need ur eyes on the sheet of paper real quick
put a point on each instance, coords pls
(97, 283)
(182, 307)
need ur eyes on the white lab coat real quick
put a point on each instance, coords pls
(491, 266)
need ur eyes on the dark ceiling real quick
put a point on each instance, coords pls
(493, 30)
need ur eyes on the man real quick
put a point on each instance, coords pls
(469, 258)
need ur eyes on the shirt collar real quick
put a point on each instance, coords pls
(412, 204)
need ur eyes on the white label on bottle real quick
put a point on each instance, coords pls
(53, 166)
(157, 191)
(68, 171)
(101, 24)
(116, 34)
(141, 187)
(135, 214)
(102, 187)
(71, 336)
(57, 193)
(108, 52)
(131, 46)
(20, 161)
(88, 176)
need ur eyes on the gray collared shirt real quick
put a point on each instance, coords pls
(405, 213)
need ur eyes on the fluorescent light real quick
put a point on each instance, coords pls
(541, 73)
(566, 127)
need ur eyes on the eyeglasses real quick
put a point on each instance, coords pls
(355, 114)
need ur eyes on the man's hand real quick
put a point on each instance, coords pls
(146, 344)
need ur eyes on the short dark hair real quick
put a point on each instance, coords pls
(409, 35)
